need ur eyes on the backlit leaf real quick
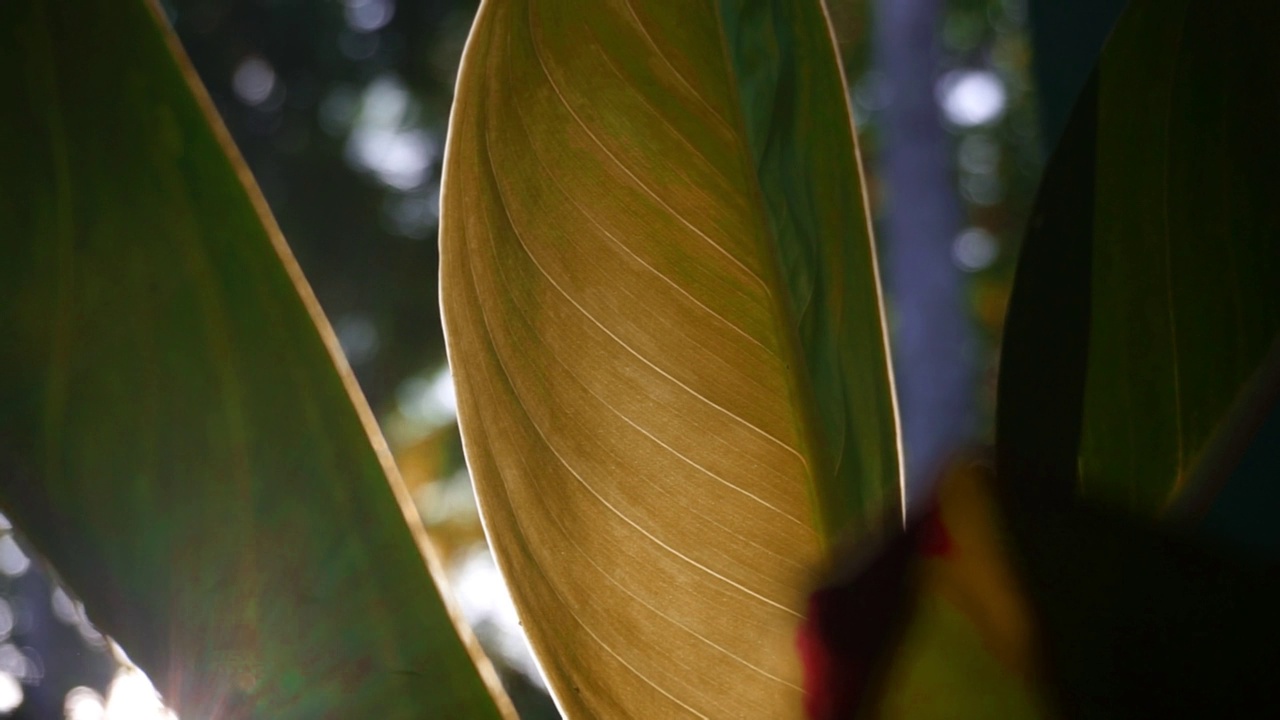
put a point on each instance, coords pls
(178, 432)
(663, 317)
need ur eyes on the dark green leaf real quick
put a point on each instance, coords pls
(1141, 360)
(1046, 332)
(1181, 252)
(1187, 241)
(177, 428)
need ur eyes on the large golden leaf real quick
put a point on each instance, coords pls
(663, 316)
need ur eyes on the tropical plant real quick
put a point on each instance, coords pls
(661, 298)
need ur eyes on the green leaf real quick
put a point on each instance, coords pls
(1183, 240)
(664, 320)
(1187, 248)
(1046, 332)
(179, 434)
(943, 669)
(1139, 361)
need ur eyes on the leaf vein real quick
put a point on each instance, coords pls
(533, 36)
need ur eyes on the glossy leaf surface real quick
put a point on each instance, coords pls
(663, 318)
(178, 432)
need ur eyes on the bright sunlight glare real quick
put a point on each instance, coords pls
(84, 703)
(131, 697)
(972, 97)
(486, 604)
(10, 693)
(429, 400)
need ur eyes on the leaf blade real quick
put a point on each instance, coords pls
(1184, 312)
(641, 436)
(177, 438)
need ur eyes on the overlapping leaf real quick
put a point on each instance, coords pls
(174, 434)
(1140, 361)
(663, 318)
(1187, 245)
(1175, 220)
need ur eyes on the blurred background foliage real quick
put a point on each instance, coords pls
(340, 108)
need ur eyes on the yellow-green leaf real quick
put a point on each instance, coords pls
(178, 432)
(663, 316)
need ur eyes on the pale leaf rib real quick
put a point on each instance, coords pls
(698, 467)
(623, 344)
(694, 633)
(590, 218)
(675, 452)
(638, 182)
(636, 672)
(564, 603)
(622, 516)
(572, 471)
(569, 369)
(689, 461)
(502, 202)
(585, 313)
(555, 518)
(1180, 460)
(657, 51)
(643, 98)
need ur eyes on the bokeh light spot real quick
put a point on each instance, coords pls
(14, 663)
(84, 703)
(385, 140)
(13, 562)
(429, 401)
(972, 97)
(64, 608)
(983, 189)
(487, 605)
(6, 619)
(358, 337)
(369, 15)
(10, 693)
(414, 215)
(974, 249)
(254, 80)
(979, 154)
